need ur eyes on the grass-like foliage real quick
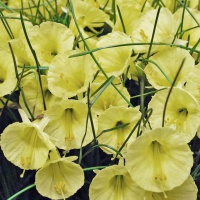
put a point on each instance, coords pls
(100, 99)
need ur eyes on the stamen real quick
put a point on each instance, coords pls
(60, 188)
(158, 171)
(69, 121)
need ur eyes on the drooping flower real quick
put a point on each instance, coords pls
(25, 144)
(183, 111)
(188, 190)
(8, 78)
(159, 160)
(33, 94)
(109, 98)
(68, 77)
(121, 120)
(114, 183)
(169, 67)
(130, 12)
(22, 53)
(143, 30)
(88, 16)
(49, 40)
(14, 31)
(59, 178)
(192, 82)
(115, 60)
(67, 125)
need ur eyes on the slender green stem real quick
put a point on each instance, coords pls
(131, 44)
(188, 10)
(170, 91)
(142, 87)
(94, 168)
(90, 116)
(161, 70)
(121, 19)
(154, 31)
(21, 191)
(36, 60)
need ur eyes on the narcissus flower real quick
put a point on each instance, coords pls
(183, 111)
(59, 178)
(22, 53)
(33, 95)
(168, 66)
(130, 14)
(88, 16)
(188, 190)
(114, 183)
(192, 82)
(49, 40)
(143, 30)
(8, 79)
(109, 98)
(68, 77)
(25, 144)
(114, 118)
(114, 60)
(159, 160)
(67, 125)
(15, 27)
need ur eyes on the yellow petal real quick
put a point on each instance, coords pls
(59, 179)
(162, 160)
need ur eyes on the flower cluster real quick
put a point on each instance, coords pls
(70, 63)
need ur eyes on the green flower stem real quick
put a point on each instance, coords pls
(121, 19)
(36, 60)
(21, 191)
(142, 87)
(154, 31)
(183, 4)
(94, 168)
(170, 91)
(151, 61)
(132, 44)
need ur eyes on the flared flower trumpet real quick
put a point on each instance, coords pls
(159, 160)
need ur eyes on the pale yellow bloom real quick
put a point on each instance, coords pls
(114, 183)
(115, 60)
(110, 119)
(182, 112)
(192, 82)
(169, 61)
(130, 14)
(25, 144)
(16, 31)
(22, 53)
(109, 98)
(8, 79)
(159, 160)
(143, 30)
(67, 125)
(187, 190)
(49, 40)
(88, 16)
(33, 94)
(68, 77)
(59, 178)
